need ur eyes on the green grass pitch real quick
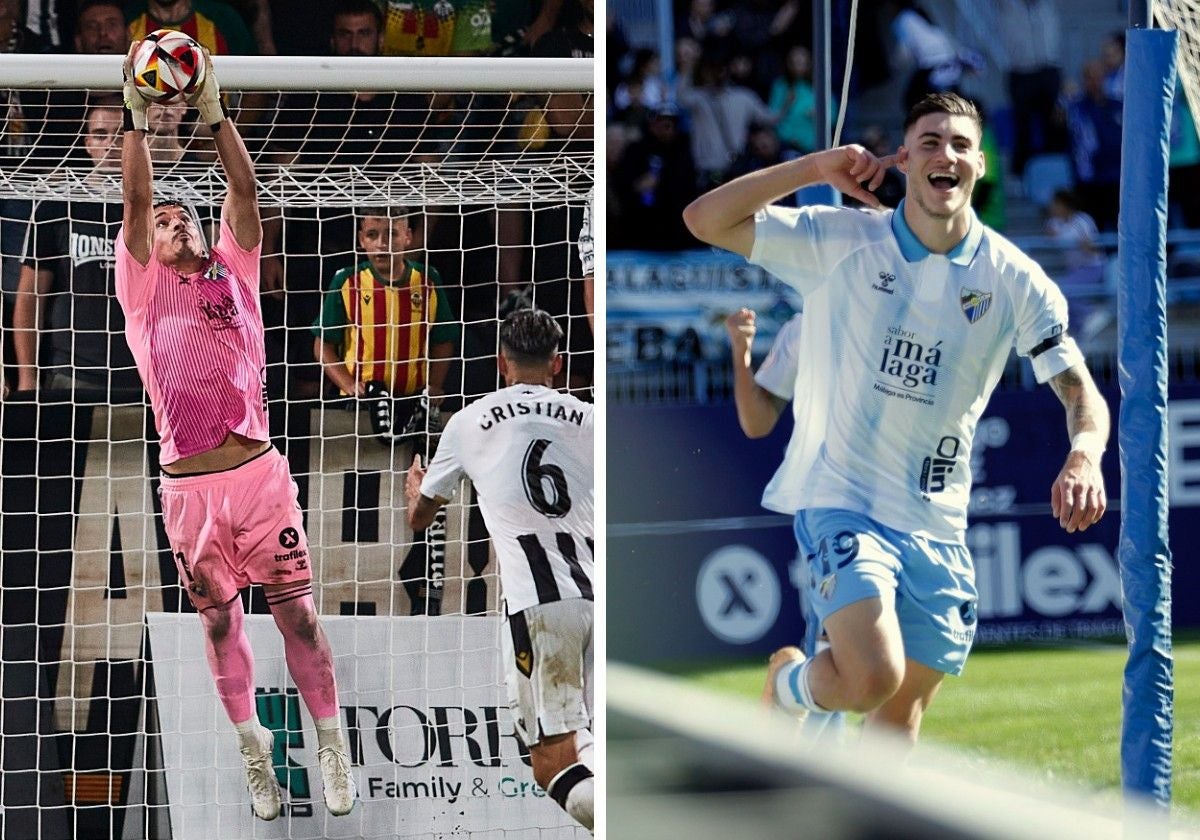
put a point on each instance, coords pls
(1053, 712)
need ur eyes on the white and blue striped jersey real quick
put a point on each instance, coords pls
(528, 451)
(777, 373)
(901, 349)
(783, 375)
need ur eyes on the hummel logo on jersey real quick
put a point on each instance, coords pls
(975, 303)
(937, 468)
(886, 279)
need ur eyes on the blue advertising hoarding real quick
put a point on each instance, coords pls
(672, 306)
(697, 569)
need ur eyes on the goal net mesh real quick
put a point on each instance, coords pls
(103, 662)
(1184, 17)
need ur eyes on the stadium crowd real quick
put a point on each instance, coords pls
(742, 98)
(454, 267)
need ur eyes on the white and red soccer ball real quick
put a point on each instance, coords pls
(167, 64)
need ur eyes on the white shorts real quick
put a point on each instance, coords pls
(548, 655)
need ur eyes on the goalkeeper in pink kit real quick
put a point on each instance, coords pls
(229, 504)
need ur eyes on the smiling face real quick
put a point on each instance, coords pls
(943, 163)
(177, 240)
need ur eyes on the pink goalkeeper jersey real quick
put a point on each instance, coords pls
(198, 343)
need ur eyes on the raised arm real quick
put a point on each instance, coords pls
(1077, 498)
(240, 209)
(137, 175)
(758, 409)
(724, 217)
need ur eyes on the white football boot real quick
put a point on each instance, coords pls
(260, 775)
(340, 789)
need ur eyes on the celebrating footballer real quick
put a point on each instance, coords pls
(918, 309)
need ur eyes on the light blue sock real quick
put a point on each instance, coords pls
(793, 690)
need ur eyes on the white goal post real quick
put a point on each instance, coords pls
(492, 161)
(268, 73)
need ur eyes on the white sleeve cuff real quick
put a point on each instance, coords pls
(1053, 361)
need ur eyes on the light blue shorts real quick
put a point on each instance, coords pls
(852, 557)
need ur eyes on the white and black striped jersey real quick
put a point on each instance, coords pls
(528, 451)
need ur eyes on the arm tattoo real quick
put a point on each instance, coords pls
(1071, 388)
(1065, 383)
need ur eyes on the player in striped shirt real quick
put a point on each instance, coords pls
(528, 451)
(909, 318)
(386, 319)
(230, 506)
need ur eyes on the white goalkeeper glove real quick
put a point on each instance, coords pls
(135, 104)
(207, 97)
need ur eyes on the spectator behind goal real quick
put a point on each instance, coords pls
(213, 24)
(65, 294)
(386, 319)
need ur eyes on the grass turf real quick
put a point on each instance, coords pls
(1055, 711)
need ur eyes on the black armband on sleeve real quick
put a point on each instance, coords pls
(1052, 341)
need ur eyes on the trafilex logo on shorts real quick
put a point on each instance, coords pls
(911, 365)
(290, 538)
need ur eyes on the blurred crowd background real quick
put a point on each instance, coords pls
(722, 88)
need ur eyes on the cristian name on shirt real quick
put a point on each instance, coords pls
(555, 411)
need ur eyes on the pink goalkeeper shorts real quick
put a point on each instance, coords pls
(236, 527)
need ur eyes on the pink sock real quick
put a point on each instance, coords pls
(230, 658)
(309, 659)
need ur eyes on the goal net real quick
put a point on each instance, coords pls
(1184, 17)
(111, 724)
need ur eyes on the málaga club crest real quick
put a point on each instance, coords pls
(975, 304)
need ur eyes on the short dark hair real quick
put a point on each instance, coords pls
(394, 211)
(183, 204)
(101, 100)
(529, 336)
(944, 103)
(358, 7)
(87, 4)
